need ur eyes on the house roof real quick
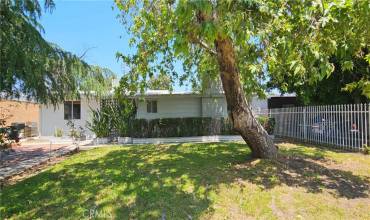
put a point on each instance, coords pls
(282, 95)
(155, 93)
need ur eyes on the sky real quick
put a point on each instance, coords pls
(77, 26)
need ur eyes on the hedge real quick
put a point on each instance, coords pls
(179, 127)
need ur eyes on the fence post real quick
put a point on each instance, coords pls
(304, 124)
(368, 121)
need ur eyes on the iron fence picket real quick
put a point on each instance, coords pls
(341, 126)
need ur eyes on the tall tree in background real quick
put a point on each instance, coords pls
(243, 42)
(340, 87)
(32, 67)
(160, 82)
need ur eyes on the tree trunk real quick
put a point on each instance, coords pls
(239, 111)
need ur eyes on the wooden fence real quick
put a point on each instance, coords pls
(342, 126)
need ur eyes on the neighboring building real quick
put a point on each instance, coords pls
(283, 101)
(21, 112)
(151, 105)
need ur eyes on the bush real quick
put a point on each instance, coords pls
(8, 135)
(267, 123)
(58, 132)
(101, 121)
(366, 149)
(124, 112)
(179, 127)
(4, 138)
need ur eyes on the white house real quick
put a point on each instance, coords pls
(53, 118)
(151, 105)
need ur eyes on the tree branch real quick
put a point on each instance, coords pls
(84, 53)
(203, 44)
(206, 47)
(201, 17)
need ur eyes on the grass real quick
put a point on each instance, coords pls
(195, 181)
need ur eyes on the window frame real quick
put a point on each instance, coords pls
(152, 106)
(74, 110)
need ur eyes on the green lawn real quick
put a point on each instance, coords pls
(195, 181)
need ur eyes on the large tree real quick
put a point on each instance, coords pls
(160, 82)
(243, 42)
(32, 67)
(340, 87)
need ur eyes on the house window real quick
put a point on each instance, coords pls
(72, 110)
(151, 106)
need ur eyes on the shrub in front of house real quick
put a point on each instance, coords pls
(268, 123)
(179, 127)
(101, 122)
(58, 132)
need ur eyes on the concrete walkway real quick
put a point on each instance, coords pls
(23, 159)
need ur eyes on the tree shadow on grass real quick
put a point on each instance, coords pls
(129, 182)
(311, 174)
(172, 181)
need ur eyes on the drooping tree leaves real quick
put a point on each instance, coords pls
(32, 67)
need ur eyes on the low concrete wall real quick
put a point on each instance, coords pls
(215, 138)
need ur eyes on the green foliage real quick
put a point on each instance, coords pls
(366, 149)
(5, 142)
(179, 127)
(341, 87)
(101, 121)
(290, 41)
(5, 115)
(31, 66)
(74, 131)
(160, 82)
(58, 132)
(268, 123)
(122, 115)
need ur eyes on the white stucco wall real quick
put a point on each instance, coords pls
(52, 118)
(214, 107)
(168, 106)
(180, 106)
(171, 107)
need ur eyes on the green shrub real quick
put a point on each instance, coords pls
(267, 123)
(58, 132)
(101, 121)
(124, 113)
(366, 149)
(179, 127)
